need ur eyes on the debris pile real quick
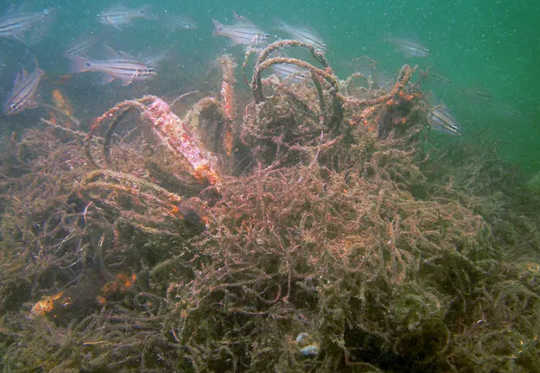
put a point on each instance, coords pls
(302, 229)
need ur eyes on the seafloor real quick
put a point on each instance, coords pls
(329, 231)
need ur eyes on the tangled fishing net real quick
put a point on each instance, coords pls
(307, 227)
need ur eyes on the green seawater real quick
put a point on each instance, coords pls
(486, 51)
(376, 259)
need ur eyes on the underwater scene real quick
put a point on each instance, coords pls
(286, 186)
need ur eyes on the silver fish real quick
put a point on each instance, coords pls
(119, 16)
(23, 92)
(304, 34)
(15, 24)
(123, 67)
(242, 32)
(180, 22)
(290, 72)
(409, 48)
(80, 47)
(440, 119)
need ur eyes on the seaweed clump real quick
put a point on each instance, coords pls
(334, 242)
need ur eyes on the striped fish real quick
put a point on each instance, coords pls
(179, 22)
(122, 67)
(440, 119)
(15, 24)
(290, 72)
(23, 92)
(81, 46)
(242, 32)
(409, 48)
(119, 16)
(304, 35)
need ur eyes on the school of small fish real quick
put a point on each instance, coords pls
(29, 27)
